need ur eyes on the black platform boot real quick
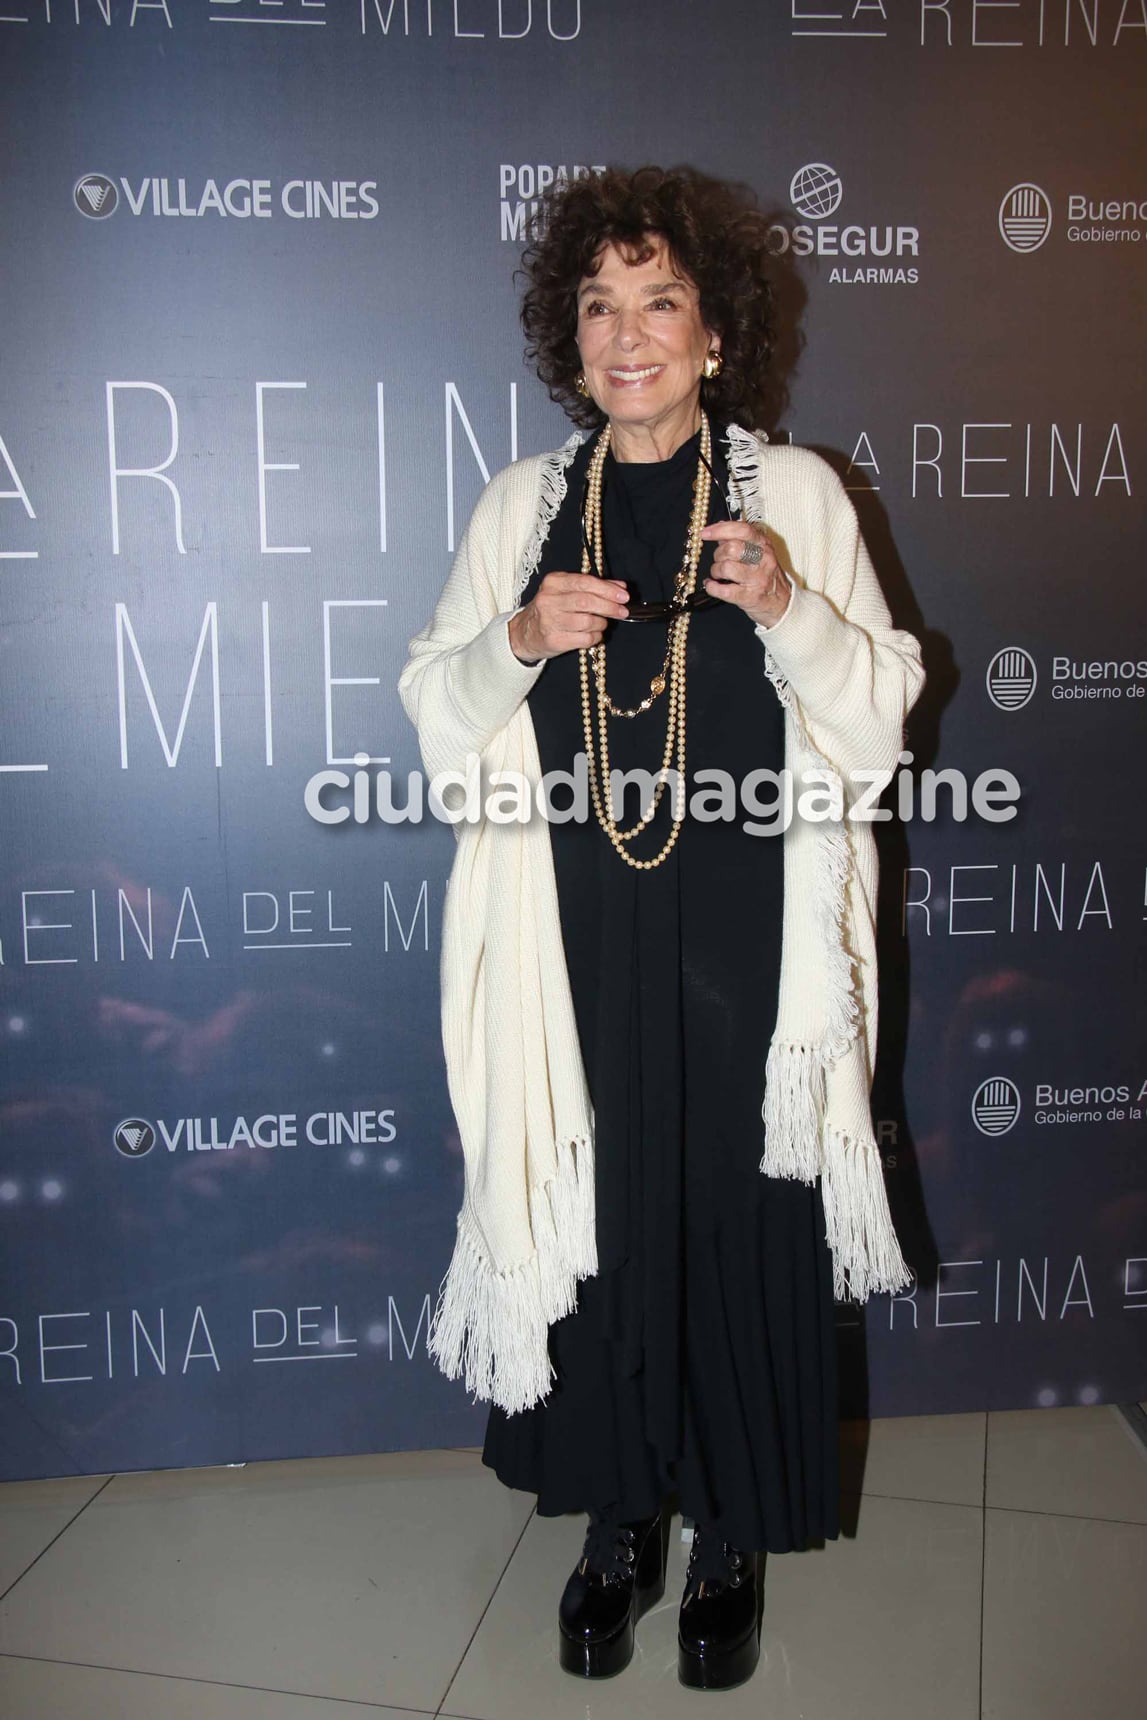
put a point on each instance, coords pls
(620, 1574)
(718, 1641)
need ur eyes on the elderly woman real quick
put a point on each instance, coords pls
(659, 1019)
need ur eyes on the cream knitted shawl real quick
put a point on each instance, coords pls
(846, 678)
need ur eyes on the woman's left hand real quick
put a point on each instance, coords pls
(761, 588)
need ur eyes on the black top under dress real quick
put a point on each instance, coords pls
(701, 1360)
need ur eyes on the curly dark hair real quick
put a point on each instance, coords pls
(716, 237)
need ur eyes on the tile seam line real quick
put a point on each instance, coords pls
(501, 1578)
(214, 1683)
(1133, 1419)
(983, 1561)
(76, 1515)
(911, 1498)
(1071, 1516)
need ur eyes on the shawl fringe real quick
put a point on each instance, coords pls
(832, 870)
(552, 495)
(491, 1327)
(798, 1141)
(865, 1252)
(832, 866)
(793, 1102)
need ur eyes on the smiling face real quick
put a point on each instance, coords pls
(642, 344)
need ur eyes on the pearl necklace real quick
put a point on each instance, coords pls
(670, 679)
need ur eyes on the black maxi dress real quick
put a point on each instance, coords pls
(701, 1360)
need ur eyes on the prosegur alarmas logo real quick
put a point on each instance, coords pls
(864, 253)
(816, 191)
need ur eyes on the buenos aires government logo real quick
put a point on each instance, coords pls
(996, 1106)
(816, 191)
(1025, 217)
(95, 196)
(1011, 678)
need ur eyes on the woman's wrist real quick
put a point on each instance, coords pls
(517, 646)
(782, 595)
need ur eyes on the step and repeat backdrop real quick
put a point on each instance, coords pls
(261, 352)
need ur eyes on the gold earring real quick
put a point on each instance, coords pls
(581, 384)
(713, 366)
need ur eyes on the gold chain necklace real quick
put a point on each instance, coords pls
(670, 679)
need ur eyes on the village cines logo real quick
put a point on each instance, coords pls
(133, 1137)
(96, 196)
(816, 191)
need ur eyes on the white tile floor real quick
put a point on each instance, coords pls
(993, 1567)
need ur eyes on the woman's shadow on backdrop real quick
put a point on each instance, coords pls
(905, 1187)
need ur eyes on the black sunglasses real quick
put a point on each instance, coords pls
(664, 610)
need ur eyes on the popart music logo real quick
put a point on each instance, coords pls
(134, 1137)
(996, 1105)
(1025, 217)
(95, 196)
(522, 187)
(1011, 678)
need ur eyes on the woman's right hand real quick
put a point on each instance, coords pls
(569, 613)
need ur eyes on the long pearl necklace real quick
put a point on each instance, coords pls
(669, 680)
